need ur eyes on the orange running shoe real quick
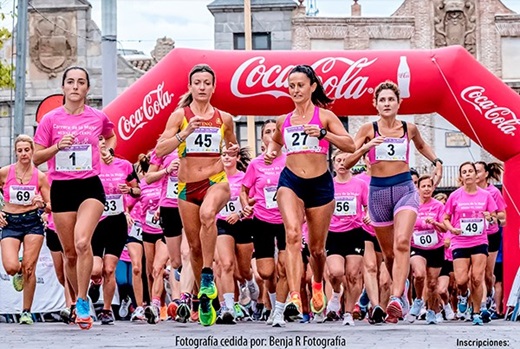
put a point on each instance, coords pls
(172, 310)
(319, 300)
(164, 313)
(293, 309)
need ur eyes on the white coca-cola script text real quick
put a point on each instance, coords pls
(153, 103)
(503, 117)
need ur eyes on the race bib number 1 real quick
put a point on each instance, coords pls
(21, 194)
(74, 158)
(472, 226)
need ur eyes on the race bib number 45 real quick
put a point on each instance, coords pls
(204, 140)
(74, 158)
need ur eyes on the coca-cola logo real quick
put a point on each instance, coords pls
(153, 103)
(255, 78)
(503, 117)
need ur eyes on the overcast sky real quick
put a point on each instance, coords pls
(190, 23)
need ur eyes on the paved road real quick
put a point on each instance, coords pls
(257, 335)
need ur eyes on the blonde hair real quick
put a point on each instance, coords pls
(24, 138)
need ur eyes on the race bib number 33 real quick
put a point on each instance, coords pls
(113, 205)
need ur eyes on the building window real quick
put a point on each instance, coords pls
(261, 41)
(241, 130)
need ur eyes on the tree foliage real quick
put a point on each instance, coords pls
(6, 68)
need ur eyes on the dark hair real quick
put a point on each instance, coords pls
(413, 171)
(187, 98)
(266, 122)
(494, 170)
(143, 163)
(387, 85)
(467, 163)
(423, 178)
(244, 158)
(318, 97)
(75, 68)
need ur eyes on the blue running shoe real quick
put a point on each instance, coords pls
(83, 318)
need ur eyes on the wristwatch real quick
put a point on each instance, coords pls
(323, 133)
(111, 151)
(435, 161)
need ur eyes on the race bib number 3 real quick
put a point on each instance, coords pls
(137, 231)
(345, 206)
(204, 140)
(425, 238)
(296, 140)
(172, 189)
(113, 205)
(472, 226)
(21, 194)
(74, 158)
(233, 206)
(151, 221)
(270, 197)
(392, 149)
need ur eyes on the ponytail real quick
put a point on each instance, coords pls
(185, 100)
(244, 158)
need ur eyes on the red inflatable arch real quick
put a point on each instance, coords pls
(448, 81)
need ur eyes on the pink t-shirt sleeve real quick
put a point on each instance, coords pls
(448, 208)
(491, 204)
(364, 194)
(43, 135)
(250, 176)
(155, 160)
(499, 199)
(108, 127)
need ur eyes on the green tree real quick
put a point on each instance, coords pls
(6, 68)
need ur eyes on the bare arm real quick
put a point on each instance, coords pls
(167, 141)
(274, 147)
(336, 133)
(45, 189)
(42, 154)
(247, 209)
(449, 227)
(362, 143)
(154, 174)
(229, 130)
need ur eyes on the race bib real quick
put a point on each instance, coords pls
(270, 197)
(472, 226)
(21, 194)
(172, 189)
(113, 205)
(425, 238)
(151, 221)
(204, 140)
(345, 206)
(136, 231)
(392, 149)
(74, 158)
(232, 206)
(296, 140)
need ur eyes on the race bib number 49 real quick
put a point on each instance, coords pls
(74, 158)
(472, 226)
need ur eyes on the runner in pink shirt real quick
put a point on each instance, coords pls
(346, 240)
(469, 211)
(447, 277)
(485, 172)
(155, 249)
(26, 192)
(427, 252)
(234, 241)
(109, 239)
(267, 226)
(67, 138)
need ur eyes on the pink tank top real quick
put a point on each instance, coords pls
(298, 142)
(20, 194)
(392, 149)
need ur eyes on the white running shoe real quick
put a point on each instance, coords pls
(138, 314)
(431, 319)
(270, 319)
(125, 304)
(348, 320)
(448, 311)
(278, 320)
(254, 291)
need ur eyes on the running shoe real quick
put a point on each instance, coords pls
(138, 315)
(431, 319)
(348, 320)
(306, 318)
(318, 301)
(152, 314)
(207, 286)
(320, 317)
(293, 308)
(106, 317)
(226, 317)
(333, 308)
(257, 315)
(254, 290)
(333, 315)
(417, 305)
(26, 318)
(356, 314)
(462, 304)
(405, 303)
(242, 312)
(448, 312)
(278, 320)
(364, 301)
(477, 320)
(93, 292)
(65, 315)
(439, 317)
(172, 309)
(83, 319)
(18, 282)
(207, 314)
(270, 318)
(163, 313)
(125, 304)
(244, 298)
(194, 317)
(265, 314)
(184, 309)
(72, 318)
(377, 316)
(394, 310)
(485, 315)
